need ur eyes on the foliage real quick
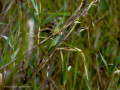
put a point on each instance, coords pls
(85, 57)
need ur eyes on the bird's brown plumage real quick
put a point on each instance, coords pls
(50, 28)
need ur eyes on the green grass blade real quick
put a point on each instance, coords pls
(33, 14)
(6, 44)
(6, 38)
(119, 81)
(104, 61)
(35, 5)
(3, 23)
(75, 74)
(56, 28)
(64, 6)
(84, 60)
(68, 80)
(50, 17)
(53, 45)
(15, 53)
(115, 63)
(52, 71)
(62, 79)
(87, 85)
(80, 52)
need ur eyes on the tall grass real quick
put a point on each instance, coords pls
(84, 57)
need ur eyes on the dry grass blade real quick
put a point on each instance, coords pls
(84, 60)
(61, 57)
(8, 8)
(1, 80)
(66, 48)
(83, 3)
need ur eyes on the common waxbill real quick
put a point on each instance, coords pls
(50, 28)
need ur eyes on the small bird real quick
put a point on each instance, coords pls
(51, 28)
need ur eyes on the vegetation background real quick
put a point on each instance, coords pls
(87, 59)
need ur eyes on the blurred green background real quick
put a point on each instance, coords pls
(93, 46)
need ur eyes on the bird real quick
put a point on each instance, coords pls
(51, 28)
